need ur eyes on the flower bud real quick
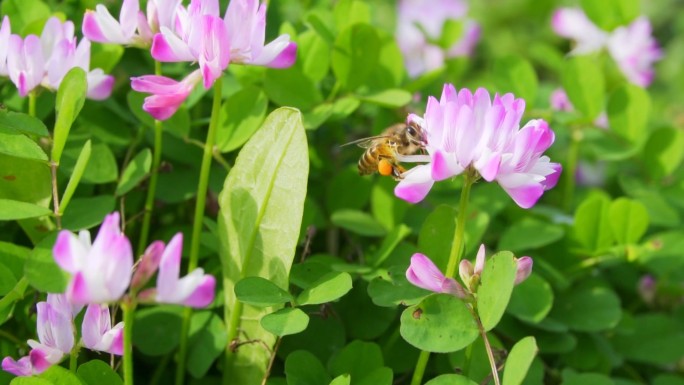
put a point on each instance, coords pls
(524, 269)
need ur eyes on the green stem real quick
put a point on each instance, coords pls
(200, 203)
(73, 359)
(128, 308)
(570, 168)
(420, 367)
(488, 347)
(454, 258)
(154, 176)
(32, 103)
(457, 245)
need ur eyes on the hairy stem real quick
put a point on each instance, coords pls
(154, 176)
(201, 200)
(454, 258)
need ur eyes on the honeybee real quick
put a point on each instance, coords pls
(382, 151)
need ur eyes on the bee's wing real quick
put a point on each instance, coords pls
(365, 142)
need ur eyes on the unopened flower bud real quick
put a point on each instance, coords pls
(149, 262)
(524, 269)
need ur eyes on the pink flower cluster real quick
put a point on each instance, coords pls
(100, 274)
(422, 272)
(417, 43)
(44, 60)
(196, 34)
(55, 324)
(471, 131)
(632, 46)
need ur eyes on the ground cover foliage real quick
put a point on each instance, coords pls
(306, 259)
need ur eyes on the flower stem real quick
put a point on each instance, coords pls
(488, 347)
(420, 367)
(55, 194)
(201, 200)
(454, 258)
(571, 168)
(154, 176)
(73, 359)
(128, 308)
(457, 245)
(32, 103)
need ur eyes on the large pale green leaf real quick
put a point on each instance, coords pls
(496, 288)
(262, 203)
(70, 98)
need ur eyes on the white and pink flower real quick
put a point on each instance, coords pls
(472, 131)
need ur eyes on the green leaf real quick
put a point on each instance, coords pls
(349, 12)
(101, 167)
(394, 289)
(355, 55)
(96, 372)
(79, 169)
(358, 222)
(338, 197)
(22, 13)
(285, 321)
(362, 318)
(391, 98)
(515, 74)
(157, 329)
(432, 240)
(314, 53)
(30, 381)
(260, 292)
(628, 110)
(317, 20)
(657, 339)
(379, 376)
(59, 375)
(583, 82)
(441, 323)
(329, 288)
(496, 287)
(532, 299)
(88, 212)
(279, 84)
(22, 123)
(11, 210)
(105, 56)
(208, 340)
(664, 152)
(628, 220)
(16, 144)
(358, 359)
(608, 14)
(592, 298)
(343, 379)
(242, 115)
(451, 379)
(70, 98)
(587, 378)
(389, 244)
(592, 223)
(7, 279)
(135, 172)
(262, 203)
(41, 269)
(519, 361)
(529, 233)
(304, 368)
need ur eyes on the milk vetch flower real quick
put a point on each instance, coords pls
(422, 272)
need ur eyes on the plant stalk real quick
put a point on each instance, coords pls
(32, 103)
(571, 168)
(488, 347)
(454, 258)
(73, 359)
(201, 200)
(154, 176)
(128, 308)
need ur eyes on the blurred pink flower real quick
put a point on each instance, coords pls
(97, 331)
(422, 272)
(5, 31)
(466, 130)
(100, 272)
(421, 22)
(167, 94)
(561, 102)
(148, 265)
(632, 47)
(524, 269)
(195, 289)
(44, 61)
(55, 340)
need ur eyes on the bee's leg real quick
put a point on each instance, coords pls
(397, 170)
